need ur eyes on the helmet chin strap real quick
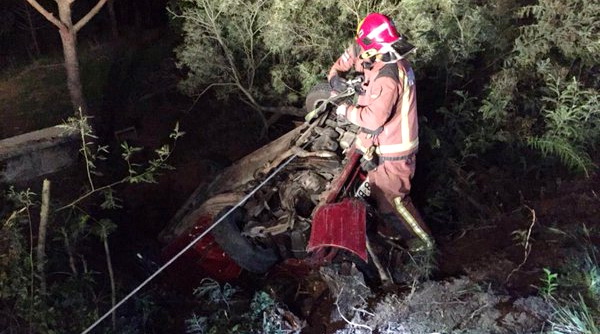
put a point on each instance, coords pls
(390, 57)
(386, 58)
(389, 54)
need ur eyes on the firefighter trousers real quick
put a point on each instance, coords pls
(390, 185)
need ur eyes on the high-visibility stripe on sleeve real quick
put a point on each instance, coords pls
(397, 148)
(345, 57)
(405, 108)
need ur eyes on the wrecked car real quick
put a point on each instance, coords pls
(300, 200)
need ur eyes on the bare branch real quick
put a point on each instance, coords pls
(84, 20)
(206, 89)
(526, 247)
(111, 276)
(385, 279)
(49, 16)
(349, 322)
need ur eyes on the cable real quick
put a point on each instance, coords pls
(190, 245)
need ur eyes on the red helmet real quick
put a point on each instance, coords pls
(376, 33)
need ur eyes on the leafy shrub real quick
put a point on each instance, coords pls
(561, 114)
(23, 303)
(571, 118)
(297, 41)
(576, 317)
(570, 27)
(261, 315)
(576, 301)
(59, 292)
(498, 80)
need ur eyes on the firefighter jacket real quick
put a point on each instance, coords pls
(386, 109)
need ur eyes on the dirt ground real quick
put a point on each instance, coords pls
(486, 280)
(28, 100)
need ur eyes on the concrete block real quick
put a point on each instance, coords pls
(37, 153)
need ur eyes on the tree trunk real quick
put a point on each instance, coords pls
(113, 19)
(69, 42)
(68, 36)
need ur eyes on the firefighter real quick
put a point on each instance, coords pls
(386, 112)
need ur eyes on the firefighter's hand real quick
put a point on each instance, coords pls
(338, 84)
(341, 110)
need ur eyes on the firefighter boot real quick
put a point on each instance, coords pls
(420, 239)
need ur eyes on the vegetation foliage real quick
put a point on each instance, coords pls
(576, 297)
(296, 42)
(76, 291)
(262, 314)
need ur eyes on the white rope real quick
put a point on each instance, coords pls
(190, 245)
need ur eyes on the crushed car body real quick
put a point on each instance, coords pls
(304, 214)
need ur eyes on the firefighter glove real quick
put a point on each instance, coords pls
(341, 110)
(369, 160)
(338, 84)
(368, 165)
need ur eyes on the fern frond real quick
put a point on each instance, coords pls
(567, 153)
(196, 325)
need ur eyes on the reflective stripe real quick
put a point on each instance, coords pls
(412, 222)
(389, 149)
(397, 148)
(405, 108)
(345, 57)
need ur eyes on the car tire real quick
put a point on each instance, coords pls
(317, 96)
(248, 255)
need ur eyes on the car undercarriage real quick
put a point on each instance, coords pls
(262, 209)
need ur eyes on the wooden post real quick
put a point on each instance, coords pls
(42, 232)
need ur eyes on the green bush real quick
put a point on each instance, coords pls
(576, 302)
(231, 45)
(500, 82)
(262, 314)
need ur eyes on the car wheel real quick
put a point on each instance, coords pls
(317, 96)
(248, 255)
